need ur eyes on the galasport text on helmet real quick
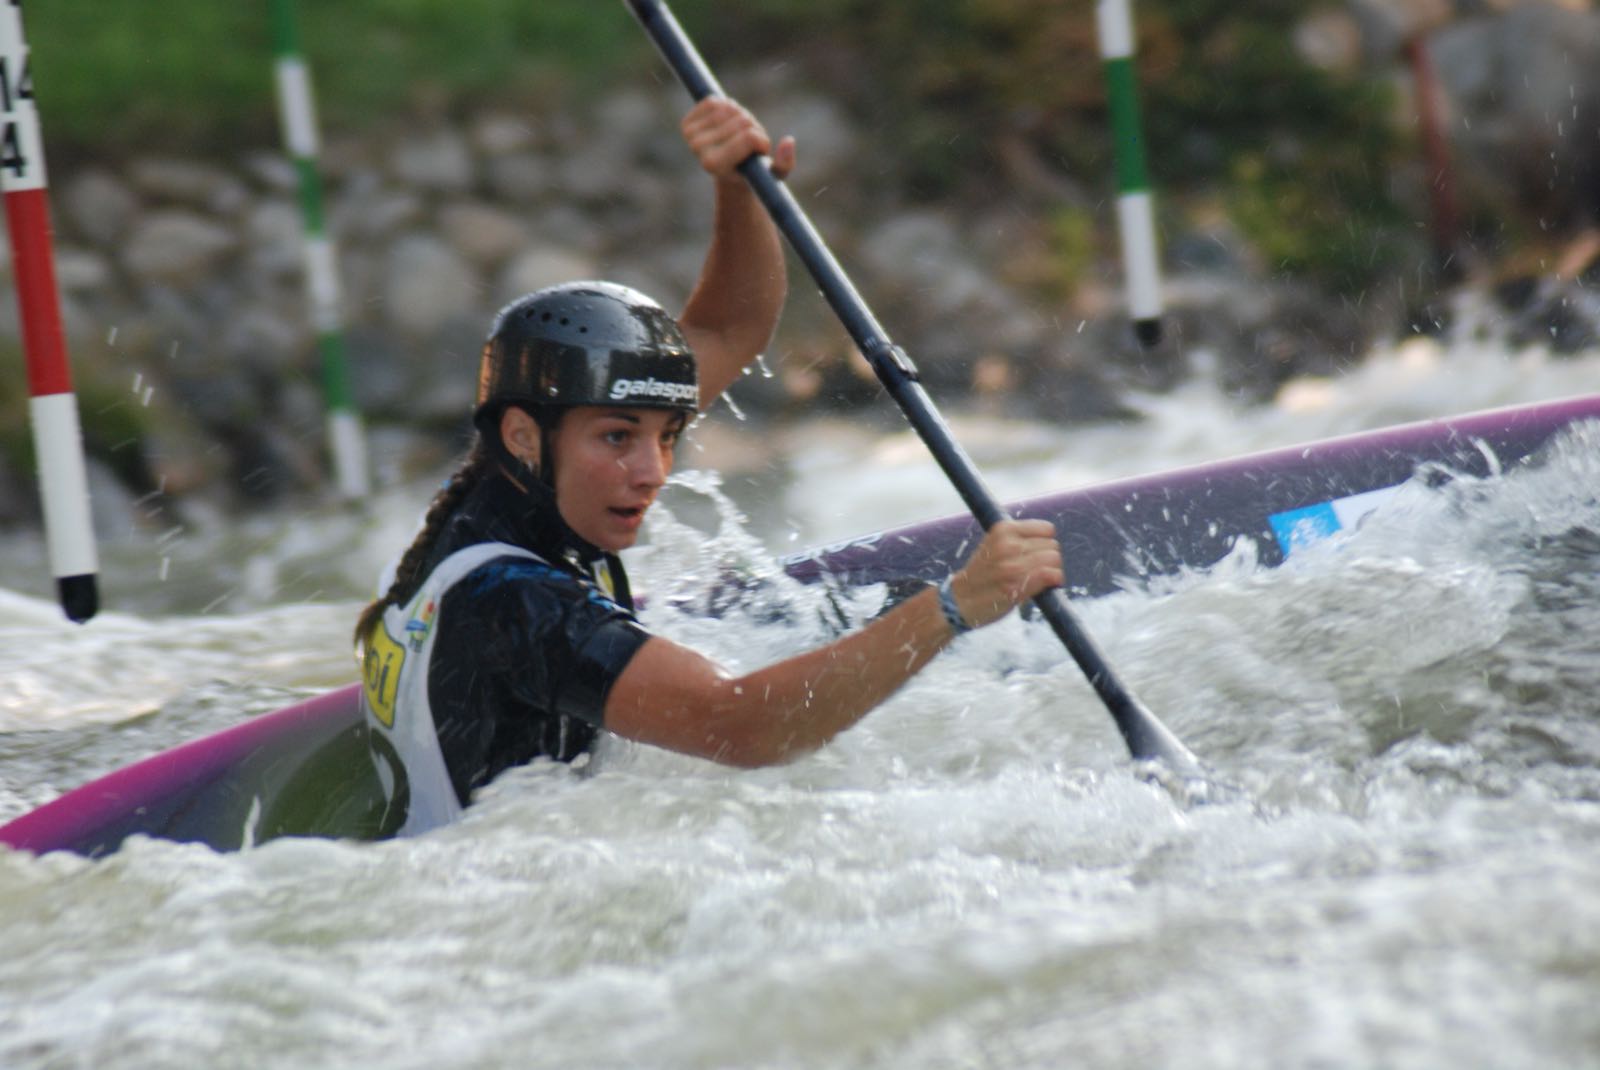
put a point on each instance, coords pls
(586, 343)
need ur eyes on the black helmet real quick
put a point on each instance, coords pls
(586, 343)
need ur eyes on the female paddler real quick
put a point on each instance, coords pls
(506, 631)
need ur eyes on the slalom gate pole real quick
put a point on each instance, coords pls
(1135, 208)
(1444, 216)
(1147, 738)
(52, 405)
(347, 440)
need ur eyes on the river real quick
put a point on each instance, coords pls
(972, 877)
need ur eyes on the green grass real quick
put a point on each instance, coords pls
(186, 72)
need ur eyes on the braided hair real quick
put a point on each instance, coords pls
(408, 575)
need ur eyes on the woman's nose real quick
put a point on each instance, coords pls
(647, 467)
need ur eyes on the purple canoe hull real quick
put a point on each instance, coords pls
(1133, 529)
(304, 770)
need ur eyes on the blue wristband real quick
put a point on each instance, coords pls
(952, 612)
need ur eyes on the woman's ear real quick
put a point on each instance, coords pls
(519, 432)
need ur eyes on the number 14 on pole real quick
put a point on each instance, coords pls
(52, 406)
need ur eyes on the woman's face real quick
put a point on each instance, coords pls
(609, 466)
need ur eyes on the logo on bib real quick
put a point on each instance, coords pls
(417, 627)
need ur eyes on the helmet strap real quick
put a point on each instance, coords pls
(546, 470)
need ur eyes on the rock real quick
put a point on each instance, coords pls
(1515, 84)
(642, 129)
(362, 277)
(366, 208)
(1386, 24)
(435, 162)
(99, 206)
(187, 182)
(503, 133)
(344, 156)
(642, 276)
(1331, 40)
(176, 246)
(430, 383)
(427, 284)
(80, 270)
(921, 252)
(520, 177)
(596, 170)
(19, 496)
(273, 171)
(922, 260)
(481, 232)
(213, 400)
(545, 265)
(77, 321)
(670, 271)
(446, 393)
(564, 225)
(826, 142)
(1557, 314)
(113, 512)
(622, 151)
(271, 338)
(275, 238)
(1065, 390)
(382, 385)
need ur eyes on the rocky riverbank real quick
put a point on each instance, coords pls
(183, 295)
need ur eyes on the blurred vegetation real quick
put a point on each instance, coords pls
(1302, 159)
(1305, 159)
(114, 423)
(199, 72)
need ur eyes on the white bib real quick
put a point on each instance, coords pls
(394, 693)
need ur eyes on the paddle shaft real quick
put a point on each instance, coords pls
(1145, 735)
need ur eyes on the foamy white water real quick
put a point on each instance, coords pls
(971, 877)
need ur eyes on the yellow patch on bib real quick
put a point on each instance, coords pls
(601, 571)
(380, 673)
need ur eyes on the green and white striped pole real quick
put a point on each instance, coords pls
(1135, 208)
(347, 441)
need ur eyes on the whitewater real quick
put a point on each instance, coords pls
(974, 876)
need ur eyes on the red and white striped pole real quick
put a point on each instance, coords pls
(53, 408)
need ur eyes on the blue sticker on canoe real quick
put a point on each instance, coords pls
(1301, 527)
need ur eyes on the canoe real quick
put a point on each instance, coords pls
(304, 770)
